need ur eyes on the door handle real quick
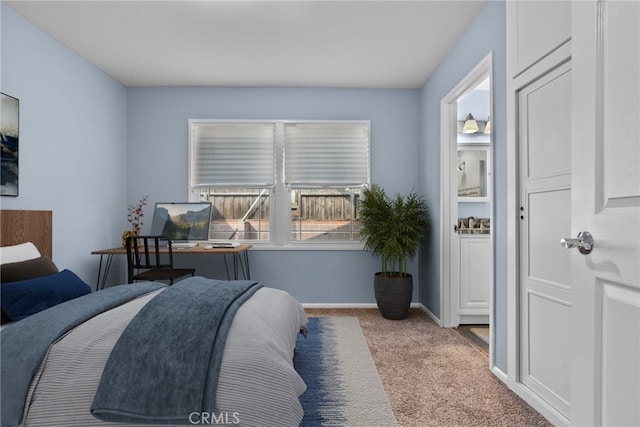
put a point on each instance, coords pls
(584, 242)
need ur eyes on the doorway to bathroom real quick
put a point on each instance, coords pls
(467, 285)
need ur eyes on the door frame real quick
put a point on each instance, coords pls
(449, 203)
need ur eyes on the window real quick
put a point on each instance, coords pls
(280, 182)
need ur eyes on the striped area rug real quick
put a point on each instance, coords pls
(343, 386)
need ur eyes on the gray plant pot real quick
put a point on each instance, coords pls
(393, 295)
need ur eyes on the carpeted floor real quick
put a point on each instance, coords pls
(434, 376)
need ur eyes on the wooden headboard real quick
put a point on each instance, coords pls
(27, 226)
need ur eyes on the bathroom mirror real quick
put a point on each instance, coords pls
(473, 173)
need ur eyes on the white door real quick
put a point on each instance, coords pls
(475, 278)
(544, 137)
(606, 202)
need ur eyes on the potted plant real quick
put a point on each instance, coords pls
(393, 228)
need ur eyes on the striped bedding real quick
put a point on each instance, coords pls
(258, 385)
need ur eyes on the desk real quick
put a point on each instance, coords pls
(240, 259)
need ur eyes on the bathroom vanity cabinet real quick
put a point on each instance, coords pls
(475, 278)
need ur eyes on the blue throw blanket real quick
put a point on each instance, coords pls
(24, 344)
(166, 364)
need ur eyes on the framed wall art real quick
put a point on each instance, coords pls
(9, 130)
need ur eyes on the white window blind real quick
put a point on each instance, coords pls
(326, 154)
(232, 154)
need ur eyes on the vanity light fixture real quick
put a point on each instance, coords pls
(487, 126)
(470, 125)
(461, 166)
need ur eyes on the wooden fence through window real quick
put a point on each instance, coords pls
(310, 207)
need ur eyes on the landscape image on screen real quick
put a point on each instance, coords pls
(182, 221)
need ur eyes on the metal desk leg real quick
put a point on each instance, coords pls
(245, 265)
(235, 266)
(101, 284)
(226, 267)
(240, 262)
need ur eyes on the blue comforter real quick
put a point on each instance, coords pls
(166, 364)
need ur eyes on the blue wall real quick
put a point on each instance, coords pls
(73, 141)
(157, 152)
(486, 34)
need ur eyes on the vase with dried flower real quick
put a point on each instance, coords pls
(135, 216)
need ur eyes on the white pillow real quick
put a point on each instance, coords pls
(17, 253)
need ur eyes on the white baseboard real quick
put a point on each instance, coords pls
(500, 374)
(474, 319)
(545, 409)
(339, 305)
(431, 315)
(357, 305)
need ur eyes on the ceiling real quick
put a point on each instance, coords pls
(356, 44)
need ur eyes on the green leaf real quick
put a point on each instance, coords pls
(393, 227)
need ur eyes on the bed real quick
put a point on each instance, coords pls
(199, 352)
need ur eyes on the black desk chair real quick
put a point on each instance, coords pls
(147, 260)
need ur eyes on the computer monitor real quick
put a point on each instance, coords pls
(182, 221)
